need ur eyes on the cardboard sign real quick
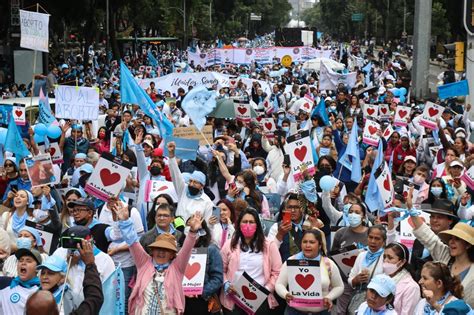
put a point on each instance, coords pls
(298, 146)
(108, 177)
(402, 113)
(345, 258)
(53, 150)
(242, 112)
(370, 135)
(406, 188)
(468, 177)
(406, 230)
(185, 148)
(45, 233)
(193, 280)
(19, 115)
(387, 133)
(34, 27)
(193, 133)
(384, 111)
(154, 188)
(304, 283)
(383, 178)
(371, 111)
(250, 294)
(79, 103)
(40, 170)
(430, 114)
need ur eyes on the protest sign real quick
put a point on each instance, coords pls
(34, 29)
(454, 89)
(268, 126)
(108, 177)
(407, 184)
(431, 114)
(185, 148)
(407, 237)
(304, 283)
(19, 115)
(402, 113)
(387, 133)
(154, 188)
(242, 111)
(370, 135)
(384, 182)
(45, 233)
(193, 280)
(53, 150)
(468, 177)
(193, 133)
(384, 111)
(250, 294)
(345, 258)
(371, 111)
(5, 112)
(79, 103)
(298, 146)
(40, 170)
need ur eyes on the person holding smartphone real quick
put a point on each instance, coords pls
(221, 222)
(8, 173)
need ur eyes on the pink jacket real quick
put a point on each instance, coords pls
(407, 296)
(271, 269)
(173, 276)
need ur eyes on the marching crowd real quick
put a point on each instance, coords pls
(239, 202)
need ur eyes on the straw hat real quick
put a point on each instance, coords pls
(461, 230)
(166, 241)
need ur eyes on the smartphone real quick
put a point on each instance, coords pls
(232, 186)
(286, 217)
(71, 242)
(286, 160)
(14, 188)
(216, 211)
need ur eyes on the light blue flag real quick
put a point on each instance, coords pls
(132, 93)
(185, 148)
(351, 157)
(152, 60)
(367, 70)
(45, 115)
(373, 199)
(198, 103)
(2, 160)
(114, 294)
(460, 88)
(14, 143)
(321, 111)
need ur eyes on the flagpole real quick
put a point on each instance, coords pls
(33, 81)
(65, 281)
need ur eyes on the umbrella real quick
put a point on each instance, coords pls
(314, 64)
(225, 109)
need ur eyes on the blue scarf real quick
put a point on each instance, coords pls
(370, 258)
(429, 310)
(369, 311)
(309, 190)
(345, 214)
(301, 256)
(18, 222)
(26, 284)
(57, 294)
(162, 267)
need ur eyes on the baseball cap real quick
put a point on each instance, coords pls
(88, 168)
(456, 163)
(54, 263)
(383, 284)
(29, 252)
(148, 143)
(88, 202)
(410, 158)
(64, 66)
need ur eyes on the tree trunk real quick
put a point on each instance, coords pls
(113, 36)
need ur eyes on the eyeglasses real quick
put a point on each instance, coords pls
(77, 210)
(293, 207)
(163, 216)
(8, 165)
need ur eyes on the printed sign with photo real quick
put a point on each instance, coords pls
(402, 113)
(5, 112)
(53, 150)
(371, 111)
(345, 258)
(304, 283)
(370, 135)
(193, 280)
(45, 233)
(19, 115)
(154, 188)
(407, 237)
(40, 170)
(298, 146)
(250, 294)
(383, 178)
(431, 114)
(108, 177)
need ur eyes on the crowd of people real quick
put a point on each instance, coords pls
(238, 200)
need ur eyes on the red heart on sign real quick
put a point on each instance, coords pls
(178, 70)
(300, 153)
(306, 105)
(192, 270)
(268, 125)
(52, 151)
(386, 184)
(18, 113)
(387, 132)
(108, 178)
(242, 110)
(259, 119)
(383, 110)
(410, 221)
(370, 111)
(248, 295)
(433, 111)
(232, 83)
(372, 130)
(162, 188)
(402, 113)
(304, 281)
(349, 261)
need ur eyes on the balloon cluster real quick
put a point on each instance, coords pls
(51, 131)
(327, 183)
(400, 93)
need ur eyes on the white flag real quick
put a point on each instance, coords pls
(34, 30)
(329, 80)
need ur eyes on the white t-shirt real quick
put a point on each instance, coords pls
(363, 307)
(13, 301)
(252, 264)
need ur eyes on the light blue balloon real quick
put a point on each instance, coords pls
(41, 129)
(327, 183)
(54, 131)
(396, 92)
(38, 138)
(403, 91)
(3, 135)
(402, 99)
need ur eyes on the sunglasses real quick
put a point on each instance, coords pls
(9, 165)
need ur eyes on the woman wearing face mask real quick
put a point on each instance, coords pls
(265, 184)
(455, 185)
(66, 213)
(103, 143)
(219, 172)
(28, 238)
(437, 191)
(395, 265)
(249, 251)
(420, 175)
(380, 294)
(313, 248)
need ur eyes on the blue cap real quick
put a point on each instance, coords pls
(54, 263)
(76, 127)
(64, 66)
(383, 284)
(30, 198)
(88, 168)
(80, 156)
(35, 234)
(186, 177)
(199, 177)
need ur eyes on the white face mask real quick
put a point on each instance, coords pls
(259, 170)
(389, 268)
(239, 186)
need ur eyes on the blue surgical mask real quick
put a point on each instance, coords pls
(346, 208)
(286, 129)
(354, 219)
(436, 191)
(23, 242)
(281, 116)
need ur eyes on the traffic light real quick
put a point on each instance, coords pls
(456, 51)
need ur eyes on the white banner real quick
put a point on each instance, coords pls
(34, 30)
(80, 103)
(329, 80)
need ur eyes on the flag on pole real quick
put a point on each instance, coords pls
(152, 60)
(45, 115)
(373, 198)
(198, 103)
(114, 294)
(351, 157)
(14, 143)
(321, 111)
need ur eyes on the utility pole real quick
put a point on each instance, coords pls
(468, 20)
(107, 28)
(184, 26)
(421, 47)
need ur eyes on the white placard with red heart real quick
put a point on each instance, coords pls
(298, 146)
(370, 135)
(154, 188)
(268, 125)
(346, 258)
(468, 177)
(141, 68)
(431, 114)
(371, 111)
(108, 177)
(402, 113)
(384, 182)
(250, 294)
(304, 283)
(407, 237)
(406, 188)
(387, 133)
(242, 112)
(384, 111)
(193, 280)
(46, 235)
(307, 105)
(54, 150)
(19, 114)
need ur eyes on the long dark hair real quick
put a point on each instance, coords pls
(258, 241)
(230, 206)
(402, 252)
(250, 180)
(444, 195)
(318, 235)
